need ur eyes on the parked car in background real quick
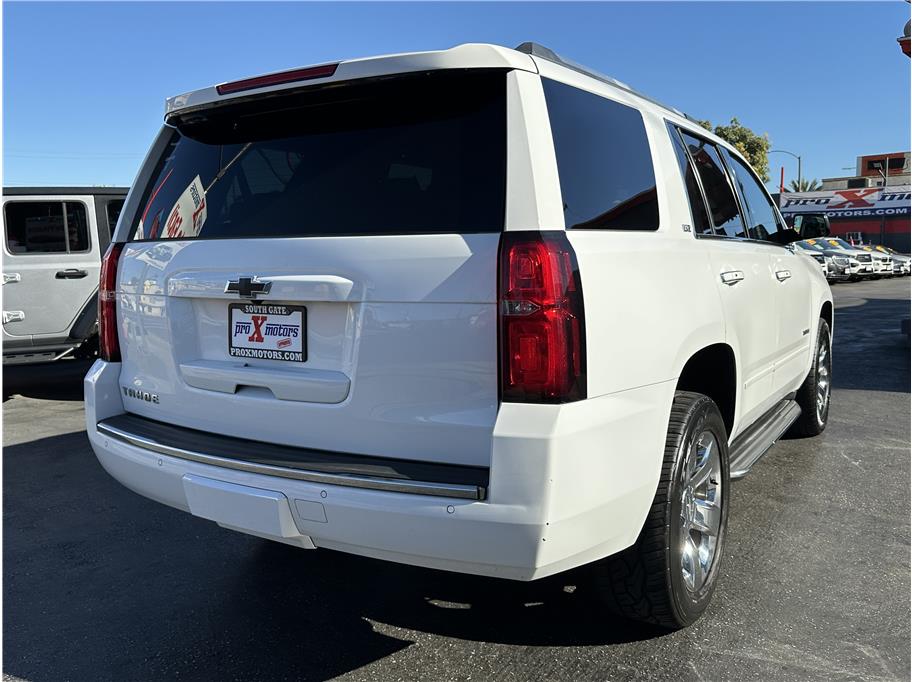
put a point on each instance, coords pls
(840, 265)
(837, 268)
(840, 246)
(818, 256)
(53, 241)
(883, 262)
(902, 263)
(397, 307)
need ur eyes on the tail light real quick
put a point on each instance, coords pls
(108, 341)
(542, 331)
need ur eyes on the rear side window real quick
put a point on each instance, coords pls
(606, 176)
(34, 227)
(761, 216)
(723, 206)
(414, 154)
(694, 195)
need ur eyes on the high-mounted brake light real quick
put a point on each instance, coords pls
(542, 330)
(108, 338)
(293, 76)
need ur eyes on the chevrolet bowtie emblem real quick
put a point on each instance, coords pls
(247, 287)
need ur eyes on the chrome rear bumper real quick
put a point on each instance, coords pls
(355, 471)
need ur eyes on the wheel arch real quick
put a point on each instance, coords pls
(826, 313)
(713, 371)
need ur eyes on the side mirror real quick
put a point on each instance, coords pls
(786, 237)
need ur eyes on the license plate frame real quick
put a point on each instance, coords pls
(250, 349)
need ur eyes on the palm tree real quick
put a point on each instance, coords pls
(805, 185)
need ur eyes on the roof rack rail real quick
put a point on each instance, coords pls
(543, 52)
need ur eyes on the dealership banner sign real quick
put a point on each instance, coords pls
(868, 202)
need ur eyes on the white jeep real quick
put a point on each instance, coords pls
(53, 241)
(480, 310)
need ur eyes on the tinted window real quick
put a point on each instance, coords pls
(46, 227)
(112, 211)
(606, 175)
(701, 224)
(763, 223)
(413, 154)
(893, 164)
(723, 206)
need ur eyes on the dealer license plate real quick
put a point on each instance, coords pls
(266, 331)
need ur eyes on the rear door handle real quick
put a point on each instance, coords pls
(13, 316)
(783, 275)
(11, 277)
(71, 274)
(732, 277)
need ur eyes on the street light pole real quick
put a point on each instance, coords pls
(785, 151)
(883, 218)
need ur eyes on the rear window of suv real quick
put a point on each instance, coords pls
(606, 176)
(409, 154)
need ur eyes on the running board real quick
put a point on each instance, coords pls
(751, 445)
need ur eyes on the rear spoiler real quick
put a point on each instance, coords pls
(467, 56)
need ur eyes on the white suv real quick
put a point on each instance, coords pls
(478, 309)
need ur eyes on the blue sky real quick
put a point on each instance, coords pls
(84, 83)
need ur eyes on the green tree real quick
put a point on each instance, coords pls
(805, 185)
(754, 147)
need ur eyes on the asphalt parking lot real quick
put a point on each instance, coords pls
(102, 584)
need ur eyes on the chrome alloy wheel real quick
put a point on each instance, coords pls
(701, 510)
(824, 366)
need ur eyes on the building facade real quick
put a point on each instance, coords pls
(869, 172)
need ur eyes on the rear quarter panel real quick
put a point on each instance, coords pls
(651, 304)
(650, 296)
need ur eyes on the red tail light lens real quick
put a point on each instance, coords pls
(542, 331)
(108, 341)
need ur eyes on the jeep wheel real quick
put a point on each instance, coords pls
(668, 576)
(814, 395)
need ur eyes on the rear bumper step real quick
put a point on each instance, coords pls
(751, 445)
(316, 466)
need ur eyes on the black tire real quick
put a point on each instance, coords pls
(812, 422)
(645, 582)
